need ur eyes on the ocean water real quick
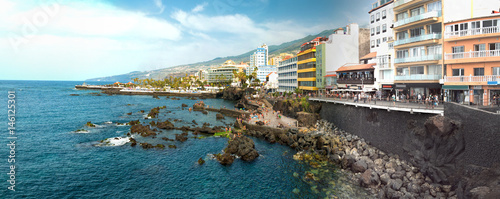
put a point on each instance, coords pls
(53, 161)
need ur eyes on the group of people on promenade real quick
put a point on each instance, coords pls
(495, 100)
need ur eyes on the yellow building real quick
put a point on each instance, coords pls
(306, 66)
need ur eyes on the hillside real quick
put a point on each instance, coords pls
(181, 70)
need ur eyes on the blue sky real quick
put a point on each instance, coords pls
(77, 40)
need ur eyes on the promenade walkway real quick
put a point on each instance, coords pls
(411, 107)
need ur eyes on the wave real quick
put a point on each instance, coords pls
(114, 141)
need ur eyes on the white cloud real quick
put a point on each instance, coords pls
(94, 36)
(159, 4)
(199, 7)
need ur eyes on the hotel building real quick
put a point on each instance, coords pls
(224, 73)
(418, 46)
(287, 75)
(472, 52)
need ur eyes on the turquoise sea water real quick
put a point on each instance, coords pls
(55, 162)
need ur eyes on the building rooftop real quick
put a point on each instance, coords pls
(369, 55)
(349, 67)
(389, 2)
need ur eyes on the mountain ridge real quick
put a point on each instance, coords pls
(181, 70)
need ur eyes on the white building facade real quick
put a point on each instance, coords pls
(381, 38)
(342, 47)
(287, 75)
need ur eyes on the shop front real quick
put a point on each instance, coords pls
(456, 93)
(387, 89)
(414, 89)
(491, 91)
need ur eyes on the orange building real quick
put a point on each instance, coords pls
(472, 60)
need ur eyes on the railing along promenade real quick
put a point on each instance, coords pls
(411, 105)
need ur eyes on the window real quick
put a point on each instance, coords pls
(378, 16)
(402, 35)
(434, 50)
(489, 23)
(495, 46)
(417, 11)
(401, 16)
(478, 71)
(402, 54)
(383, 14)
(372, 31)
(458, 72)
(372, 18)
(378, 30)
(457, 52)
(373, 43)
(417, 51)
(434, 28)
(434, 6)
(384, 28)
(402, 71)
(434, 70)
(415, 32)
(384, 39)
(378, 42)
(495, 71)
(417, 70)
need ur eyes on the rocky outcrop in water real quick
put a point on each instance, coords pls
(225, 159)
(232, 93)
(167, 125)
(142, 130)
(243, 147)
(219, 116)
(181, 137)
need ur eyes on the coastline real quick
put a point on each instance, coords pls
(123, 91)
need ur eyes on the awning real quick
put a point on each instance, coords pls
(456, 87)
(333, 75)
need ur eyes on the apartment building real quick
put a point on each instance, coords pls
(471, 52)
(287, 75)
(418, 46)
(381, 45)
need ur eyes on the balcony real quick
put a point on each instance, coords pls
(369, 80)
(384, 66)
(472, 32)
(418, 59)
(400, 5)
(427, 15)
(306, 61)
(487, 78)
(401, 2)
(417, 39)
(472, 54)
(417, 77)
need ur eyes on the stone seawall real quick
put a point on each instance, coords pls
(460, 149)
(481, 131)
(384, 130)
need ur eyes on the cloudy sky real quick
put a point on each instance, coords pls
(77, 40)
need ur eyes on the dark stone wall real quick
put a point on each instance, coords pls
(481, 130)
(384, 130)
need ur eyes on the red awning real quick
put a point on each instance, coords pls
(334, 75)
